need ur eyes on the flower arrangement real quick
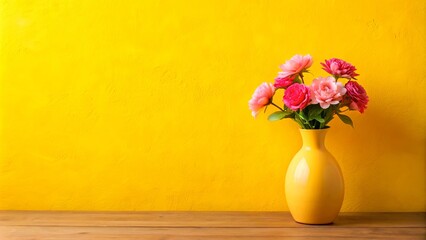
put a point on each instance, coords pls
(314, 106)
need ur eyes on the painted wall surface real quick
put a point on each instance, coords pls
(142, 105)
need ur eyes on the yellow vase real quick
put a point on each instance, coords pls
(314, 183)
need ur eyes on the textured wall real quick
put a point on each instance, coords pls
(142, 105)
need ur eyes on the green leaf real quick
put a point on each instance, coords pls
(314, 112)
(319, 119)
(278, 115)
(290, 115)
(346, 119)
(303, 116)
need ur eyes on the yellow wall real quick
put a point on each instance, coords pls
(142, 105)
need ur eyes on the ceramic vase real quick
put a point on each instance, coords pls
(314, 183)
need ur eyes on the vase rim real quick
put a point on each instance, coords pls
(308, 130)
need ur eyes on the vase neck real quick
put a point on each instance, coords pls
(313, 138)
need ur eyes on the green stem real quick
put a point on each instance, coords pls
(300, 123)
(301, 78)
(277, 106)
(303, 121)
(340, 111)
(317, 124)
(336, 77)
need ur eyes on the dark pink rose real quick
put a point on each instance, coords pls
(357, 95)
(339, 68)
(284, 82)
(297, 96)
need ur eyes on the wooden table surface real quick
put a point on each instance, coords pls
(204, 225)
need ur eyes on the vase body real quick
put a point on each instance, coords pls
(314, 183)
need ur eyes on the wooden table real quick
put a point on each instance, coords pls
(204, 225)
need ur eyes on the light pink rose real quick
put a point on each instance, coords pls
(284, 82)
(297, 64)
(358, 96)
(339, 68)
(326, 91)
(297, 96)
(262, 96)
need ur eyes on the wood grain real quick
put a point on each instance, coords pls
(22, 225)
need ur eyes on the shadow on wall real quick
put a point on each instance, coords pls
(382, 163)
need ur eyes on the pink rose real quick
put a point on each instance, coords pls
(339, 68)
(262, 96)
(297, 96)
(296, 65)
(284, 82)
(326, 91)
(358, 96)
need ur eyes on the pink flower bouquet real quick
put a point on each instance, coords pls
(312, 106)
